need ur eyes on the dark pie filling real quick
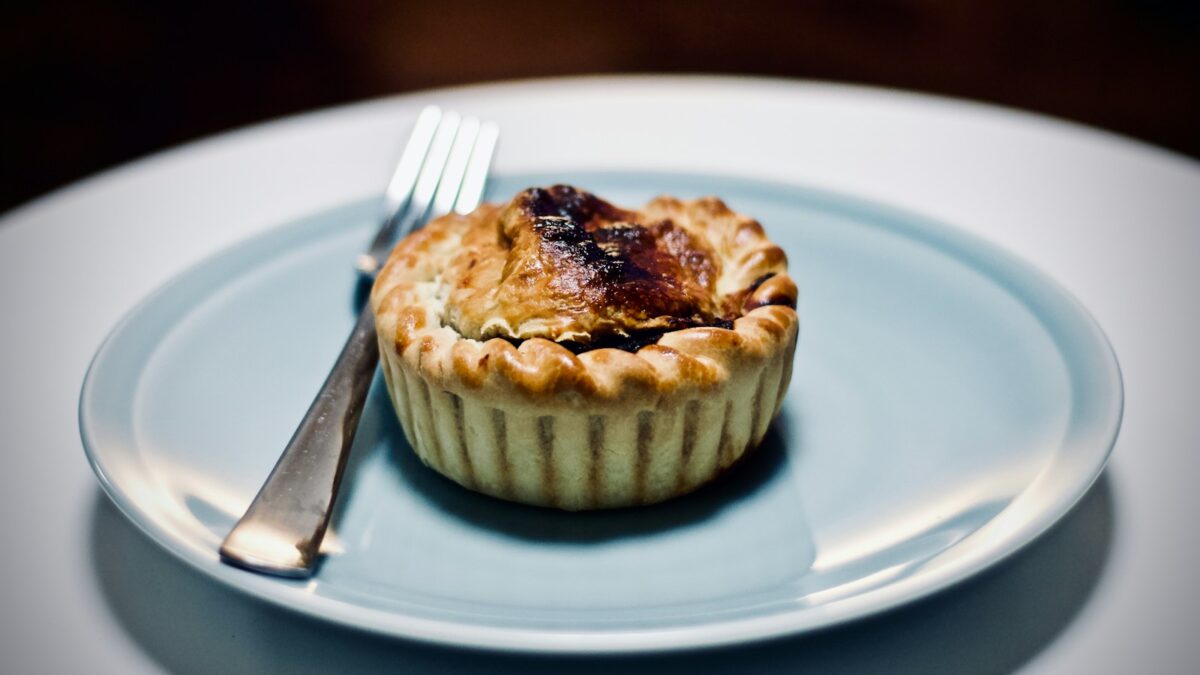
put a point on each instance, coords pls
(626, 343)
(639, 339)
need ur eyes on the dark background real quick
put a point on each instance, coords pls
(93, 84)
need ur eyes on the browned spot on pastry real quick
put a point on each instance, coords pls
(765, 257)
(538, 366)
(412, 319)
(749, 230)
(754, 285)
(771, 290)
(691, 418)
(469, 368)
(725, 445)
(595, 452)
(561, 263)
(767, 324)
(432, 435)
(546, 445)
(618, 267)
(460, 434)
(500, 434)
(645, 435)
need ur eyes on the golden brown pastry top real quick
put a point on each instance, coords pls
(565, 265)
(723, 302)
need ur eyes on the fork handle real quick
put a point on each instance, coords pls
(282, 530)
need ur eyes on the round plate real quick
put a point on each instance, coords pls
(949, 403)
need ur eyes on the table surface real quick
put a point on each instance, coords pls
(1108, 589)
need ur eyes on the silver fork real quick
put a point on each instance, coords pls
(443, 167)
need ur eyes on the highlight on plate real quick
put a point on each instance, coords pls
(561, 351)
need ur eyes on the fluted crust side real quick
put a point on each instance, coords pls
(596, 454)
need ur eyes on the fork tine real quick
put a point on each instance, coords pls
(475, 179)
(456, 166)
(431, 172)
(404, 179)
(399, 201)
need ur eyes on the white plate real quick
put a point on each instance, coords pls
(949, 404)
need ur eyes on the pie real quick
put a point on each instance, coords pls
(561, 351)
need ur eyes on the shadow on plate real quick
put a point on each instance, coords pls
(993, 623)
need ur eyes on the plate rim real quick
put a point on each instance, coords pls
(721, 633)
(756, 83)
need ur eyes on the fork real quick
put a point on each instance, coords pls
(444, 167)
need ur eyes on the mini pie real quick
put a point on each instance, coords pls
(560, 351)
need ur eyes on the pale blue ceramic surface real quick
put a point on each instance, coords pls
(949, 403)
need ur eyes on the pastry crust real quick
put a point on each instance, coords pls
(500, 369)
(565, 265)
